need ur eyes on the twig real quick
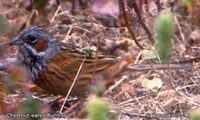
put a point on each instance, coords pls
(188, 60)
(52, 19)
(31, 17)
(75, 79)
(114, 86)
(147, 30)
(68, 33)
(146, 67)
(72, 107)
(179, 28)
(123, 91)
(138, 57)
(96, 57)
(125, 102)
(127, 23)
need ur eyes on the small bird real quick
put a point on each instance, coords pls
(53, 64)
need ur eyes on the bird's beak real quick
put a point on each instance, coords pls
(16, 41)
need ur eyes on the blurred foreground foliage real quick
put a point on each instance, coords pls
(164, 31)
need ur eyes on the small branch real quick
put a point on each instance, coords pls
(134, 115)
(5, 65)
(188, 60)
(56, 12)
(147, 30)
(122, 6)
(179, 28)
(146, 67)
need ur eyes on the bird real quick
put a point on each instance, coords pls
(53, 64)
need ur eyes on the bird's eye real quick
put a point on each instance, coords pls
(31, 39)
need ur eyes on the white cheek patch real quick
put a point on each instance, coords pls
(33, 52)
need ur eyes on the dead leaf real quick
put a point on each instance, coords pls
(153, 84)
(148, 54)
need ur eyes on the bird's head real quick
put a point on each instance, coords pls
(36, 47)
(34, 37)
